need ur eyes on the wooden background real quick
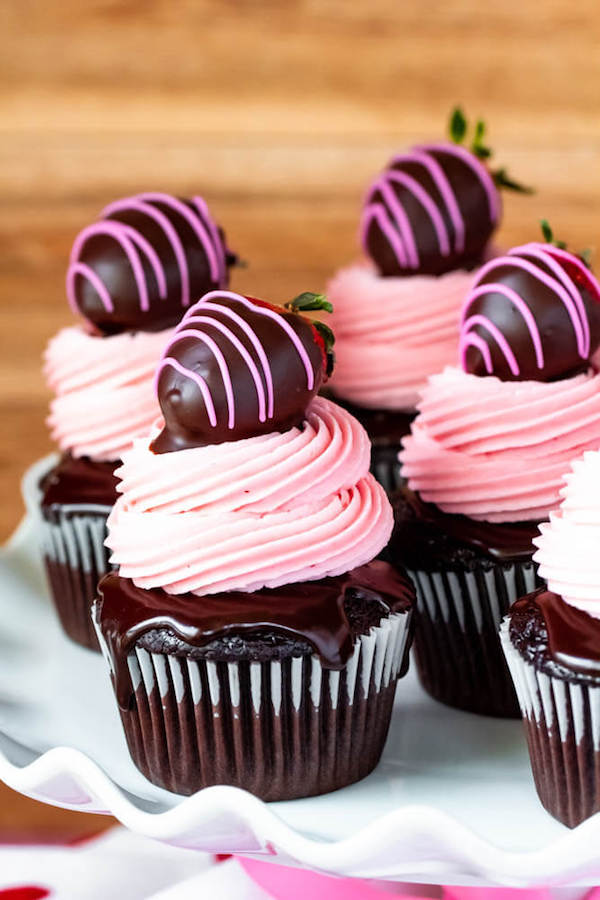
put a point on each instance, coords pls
(278, 113)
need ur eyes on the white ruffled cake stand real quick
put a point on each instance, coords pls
(452, 800)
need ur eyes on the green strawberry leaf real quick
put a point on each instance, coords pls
(503, 180)
(548, 235)
(309, 302)
(458, 125)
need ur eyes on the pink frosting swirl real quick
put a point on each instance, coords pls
(392, 333)
(104, 389)
(498, 450)
(253, 513)
(568, 544)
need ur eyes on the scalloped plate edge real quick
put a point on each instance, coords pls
(415, 842)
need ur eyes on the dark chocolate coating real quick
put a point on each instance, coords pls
(79, 481)
(185, 411)
(270, 623)
(473, 204)
(557, 638)
(106, 257)
(561, 355)
(426, 538)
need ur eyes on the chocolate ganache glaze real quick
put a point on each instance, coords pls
(426, 538)
(80, 482)
(556, 637)
(144, 261)
(323, 616)
(432, 210)
(238, 367)
(533, 314)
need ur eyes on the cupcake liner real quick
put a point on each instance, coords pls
(31, 489)
(280, 729)
(562, 725)
(457, 617)
(72, 542)
(386, 467)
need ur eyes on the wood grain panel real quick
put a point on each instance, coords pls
(278, 112)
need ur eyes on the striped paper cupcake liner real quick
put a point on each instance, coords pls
(562, 725)
(457, 617)
(280, 729)
(72, 542)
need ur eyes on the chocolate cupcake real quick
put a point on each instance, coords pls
(426, 226)
(252, 640)
(485, 462)
(551, 639)
(130, 276)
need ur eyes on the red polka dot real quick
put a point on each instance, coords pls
(26, 892)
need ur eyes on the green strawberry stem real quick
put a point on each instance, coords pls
(328, 338)
(232, 259)
(326, 333)
(549, 235)
(481, 150)
(458, 127)
(584, 255)
(503, 180)
(309, 302)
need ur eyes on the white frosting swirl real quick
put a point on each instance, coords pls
(568, 545)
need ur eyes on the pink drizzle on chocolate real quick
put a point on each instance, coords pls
(533, 314)
(147, 258)
(235, 368)
(432, 210)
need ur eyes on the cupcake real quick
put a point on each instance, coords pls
(252, 639)
(130, 276)
(551, 639)
(485, 462)
(426, 225)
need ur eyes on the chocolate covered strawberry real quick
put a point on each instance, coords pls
(144, 261)
(435, 207)
(533, 314)
(238, 367)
